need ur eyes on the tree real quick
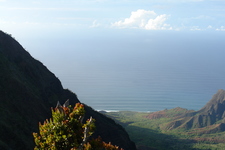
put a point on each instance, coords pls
(66, 131)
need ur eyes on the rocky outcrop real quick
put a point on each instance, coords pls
(210, 114)
(215, 108)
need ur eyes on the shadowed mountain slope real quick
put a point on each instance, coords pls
(211, 118)
(27, 92)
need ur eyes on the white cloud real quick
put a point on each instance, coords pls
(222, 28)
(144, 19)
(95, 24)
(158, 23)
(209, 27)
(195, 28)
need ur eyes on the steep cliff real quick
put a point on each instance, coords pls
(27, 92)
(212, 116)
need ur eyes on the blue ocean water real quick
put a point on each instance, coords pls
(149, 88)
(142, 72)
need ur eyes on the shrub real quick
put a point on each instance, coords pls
(66, 131)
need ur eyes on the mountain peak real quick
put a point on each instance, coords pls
(211, 115)
(216, 104)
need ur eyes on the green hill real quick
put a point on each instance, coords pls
(177, 128)
(27, 92)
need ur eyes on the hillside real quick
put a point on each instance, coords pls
(177, 128)
(27, 92)
(212, 114)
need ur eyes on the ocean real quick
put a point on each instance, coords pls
(143, 72)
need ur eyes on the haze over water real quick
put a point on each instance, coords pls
(145, 71)
(126, 54)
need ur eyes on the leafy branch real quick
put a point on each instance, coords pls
(65, 131)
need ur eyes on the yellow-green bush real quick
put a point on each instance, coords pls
(65, 131)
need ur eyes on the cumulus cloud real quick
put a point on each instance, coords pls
(144, 19)
(222, 28)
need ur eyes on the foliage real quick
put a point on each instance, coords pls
(150, 133)
(65, 131)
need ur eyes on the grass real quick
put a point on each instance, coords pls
(149, 133)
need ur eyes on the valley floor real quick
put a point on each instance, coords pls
(149, 133)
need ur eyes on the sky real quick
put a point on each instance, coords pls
(83, 40)
(178, 15)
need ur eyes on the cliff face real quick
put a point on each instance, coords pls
(209, 119)
(215, 107)
(27, 92)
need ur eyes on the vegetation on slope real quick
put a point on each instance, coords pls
(27, 91)
(177, 128)
(146, 133)
(66, 131)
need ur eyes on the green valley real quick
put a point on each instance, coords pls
(177, 128)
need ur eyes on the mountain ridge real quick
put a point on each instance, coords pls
(177, 128)
(213, 113)
(27, 92)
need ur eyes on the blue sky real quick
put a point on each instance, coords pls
(85, 42)
(77, 28)
(175, 15)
